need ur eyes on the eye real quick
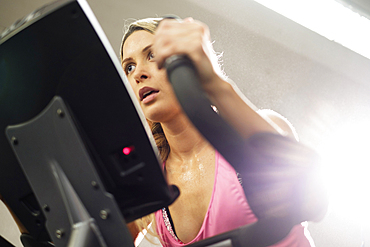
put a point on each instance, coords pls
(150, 56)
(129, 68)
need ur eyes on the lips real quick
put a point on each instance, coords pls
(147, 91)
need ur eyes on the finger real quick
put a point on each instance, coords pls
(166, 22)
(165, 53)
(188, 19)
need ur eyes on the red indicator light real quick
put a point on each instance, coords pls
(128, 150)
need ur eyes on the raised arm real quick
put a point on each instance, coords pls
(192, 38)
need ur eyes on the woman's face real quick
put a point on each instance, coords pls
(150, 84)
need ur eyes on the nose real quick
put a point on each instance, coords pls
(141, 74)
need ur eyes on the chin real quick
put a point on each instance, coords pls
(160, 114)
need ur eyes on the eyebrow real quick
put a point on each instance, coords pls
(146, 48)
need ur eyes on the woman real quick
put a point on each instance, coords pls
(212, 199)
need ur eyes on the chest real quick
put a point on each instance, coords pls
(196, 187)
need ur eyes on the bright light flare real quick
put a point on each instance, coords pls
(346, 168)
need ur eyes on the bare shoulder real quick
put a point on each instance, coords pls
(281, 121)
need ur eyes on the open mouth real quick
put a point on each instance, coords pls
(146, 92)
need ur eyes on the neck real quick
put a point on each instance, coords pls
(184, 139)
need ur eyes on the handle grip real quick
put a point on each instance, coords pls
(185, 80)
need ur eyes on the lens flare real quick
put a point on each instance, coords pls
(345, 154)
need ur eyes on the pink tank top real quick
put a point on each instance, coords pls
(227, 210)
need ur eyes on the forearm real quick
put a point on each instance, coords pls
(238, 110)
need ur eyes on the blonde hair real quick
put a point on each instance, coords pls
(151, 24)
(148, 24)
